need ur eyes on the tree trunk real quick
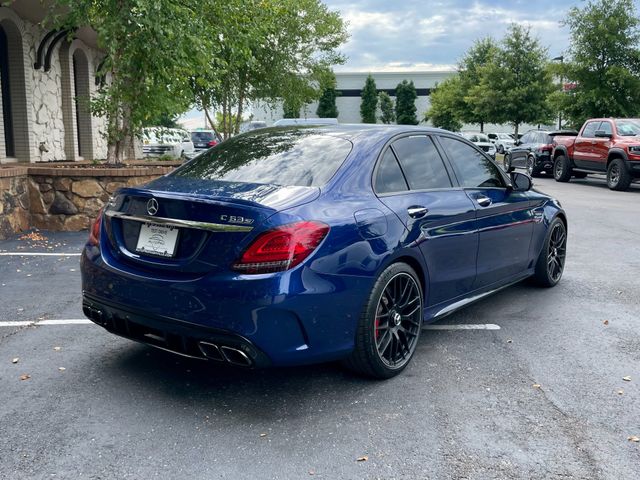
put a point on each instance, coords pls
(516, 130)
(481, 127)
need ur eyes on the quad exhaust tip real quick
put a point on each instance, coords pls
(224, 353)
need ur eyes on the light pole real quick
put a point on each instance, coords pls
(561, 60)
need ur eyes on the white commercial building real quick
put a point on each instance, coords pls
(349, 87)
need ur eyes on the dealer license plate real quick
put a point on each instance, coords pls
(157, 240)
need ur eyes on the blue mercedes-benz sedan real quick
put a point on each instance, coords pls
(290, 246)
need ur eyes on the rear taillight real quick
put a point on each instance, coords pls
(94, 234)
(282, 248)
(545, 148)
(212, 143)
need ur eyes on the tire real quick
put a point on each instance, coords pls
(389, 326)
(531, 168)
(550, 263)
(562, 169)
(618, 177)
(501, 149)
(506, 162)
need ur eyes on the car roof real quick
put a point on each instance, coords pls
(362, 130)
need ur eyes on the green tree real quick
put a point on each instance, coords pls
(291, 108)
(369, 103)
(266, 51)
(406, 103)
(519, 83)
(605, 61)
(446, 104)
(475, 108)
(387, 113)
(152, 47)
(165, 119)
(327, 107)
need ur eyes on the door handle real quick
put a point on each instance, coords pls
(417, 211)
(483, 201)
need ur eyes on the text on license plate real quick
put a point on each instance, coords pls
(157, 240)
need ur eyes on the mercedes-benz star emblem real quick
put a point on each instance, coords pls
(152, 206)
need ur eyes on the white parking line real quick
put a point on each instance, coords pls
(38, 254)
(465, 326)
(69, 321)
(84, 321)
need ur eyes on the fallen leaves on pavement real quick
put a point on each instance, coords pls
(363, 458)
(606, 322)
(536, 385)
(26, 376)
(15, 360)
(634, 438)
(627, 378)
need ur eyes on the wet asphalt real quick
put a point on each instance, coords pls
(543, 397)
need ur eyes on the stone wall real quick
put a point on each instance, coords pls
(14, 201)
(62, 199)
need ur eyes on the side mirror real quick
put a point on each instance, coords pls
(602, 134)
(520, 182)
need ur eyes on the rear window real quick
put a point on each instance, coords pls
(288, 157)
(202, 136)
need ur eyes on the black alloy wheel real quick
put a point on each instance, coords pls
(551, 261)
(398, 320)
(557, 252)
(389, 327)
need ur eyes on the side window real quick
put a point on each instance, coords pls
(606, 128)
(421, 163)
(526, 138)
(590, 130)
(472, 168)
(389, 177)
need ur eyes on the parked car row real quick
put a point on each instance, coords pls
(603, 146)
(533, 151)
(176, 143)
(482, 141)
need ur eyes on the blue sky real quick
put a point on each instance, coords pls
(421, 35)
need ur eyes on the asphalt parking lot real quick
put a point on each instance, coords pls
(553, 393)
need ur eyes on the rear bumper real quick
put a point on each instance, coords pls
(293, 318)
(544, 162)
(170, 334)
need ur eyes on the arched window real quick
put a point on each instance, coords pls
(9, 144)
(82, 97)
(15, 131)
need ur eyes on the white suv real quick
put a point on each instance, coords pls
(170, 142)
(502, 141)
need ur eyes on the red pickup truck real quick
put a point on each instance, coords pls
(608, 146)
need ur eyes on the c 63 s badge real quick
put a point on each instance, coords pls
(236, 220)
